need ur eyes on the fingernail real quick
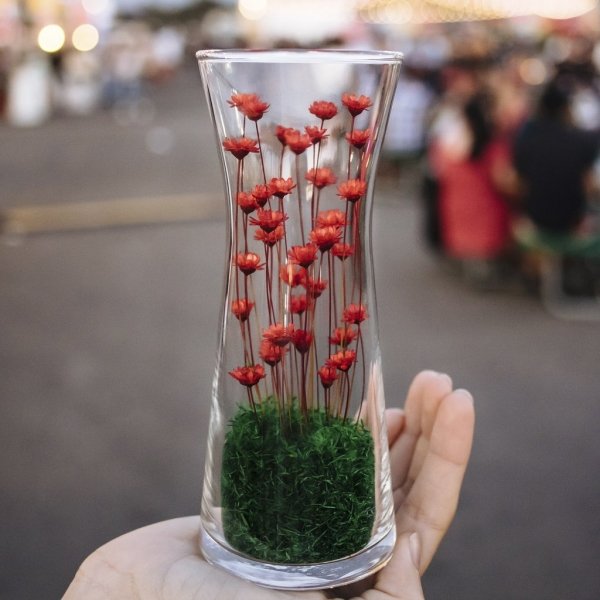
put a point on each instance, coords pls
(415, 549)
(446, 378)
(465, 393)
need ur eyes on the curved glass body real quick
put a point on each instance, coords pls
(297, 487)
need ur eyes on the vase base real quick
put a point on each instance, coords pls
(300, 577)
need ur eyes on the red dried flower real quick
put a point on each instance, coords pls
(326, 237)
(247, 202)
(268, 220)
(240, 147)
(356, 104)
(248, 262)
(342, 336)
(358, 138)
(331, 218)
(271, 353)
(321, 177)
(281, 187)
(296, 141)
(303, 255)
(342, 251)
(314, 287)
(316, 134)
(250, 375)
(323, 110)
(293, 275)
(279, 334)
(343, 360)
(328, 375)
(270, 238)
(236, 100)
(250, 105)
(280, 132)
(352, 190)
(261, 194)
(298, 304)
(242, 309)
(302, 340)
(355, 313)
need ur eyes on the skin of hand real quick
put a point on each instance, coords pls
(430, 443)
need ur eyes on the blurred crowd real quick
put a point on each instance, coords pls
(506, 135)
(36, 85)
(501, 118)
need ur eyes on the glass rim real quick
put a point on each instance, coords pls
(289, 56)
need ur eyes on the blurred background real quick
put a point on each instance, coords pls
(111, 253)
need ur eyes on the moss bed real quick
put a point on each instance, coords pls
(298, 487)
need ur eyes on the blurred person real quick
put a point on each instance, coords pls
(430, 441)
(405, 133)
(127, 54)
(168, 48)
(473, 171)
(554, 159)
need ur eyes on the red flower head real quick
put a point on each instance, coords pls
(248, 263)
(323, 110)
(298, 304)
(293, 275)
(247, 202)
(296, 141)
(315, 287)
(261, 194)
(268, 220)
(358, 138)
(316, 134)
(342, 251)
(355, 313)
(342, 336)
(352, 190)
(240, 147)
(303, 255)
(356, 104)
(249, 376)
(328, 375)
(250, 105)
(271, 353)
(281, 187)
(242, 309)
(302, 340)
(321, 177)
(270, 238)
(279, 334)
(326, 237)
(343, 360)
(280, 132)
(236, 100)
(331, 218)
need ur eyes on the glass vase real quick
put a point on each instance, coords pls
(297, 490)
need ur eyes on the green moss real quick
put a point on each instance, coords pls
(297, 488)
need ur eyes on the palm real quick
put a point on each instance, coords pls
(429, 449)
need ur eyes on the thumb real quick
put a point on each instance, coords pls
(400, 578)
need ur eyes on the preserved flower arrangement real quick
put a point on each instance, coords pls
(297, 473)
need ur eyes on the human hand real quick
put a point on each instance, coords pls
(430, 442)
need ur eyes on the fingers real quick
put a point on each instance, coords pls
(400, 579)
(423, 399)
(431, 503)
(395, 423)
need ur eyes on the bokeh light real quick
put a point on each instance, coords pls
(95, 7)
(85, 37)
(253, 10)
(533, 71)
(51, 38)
